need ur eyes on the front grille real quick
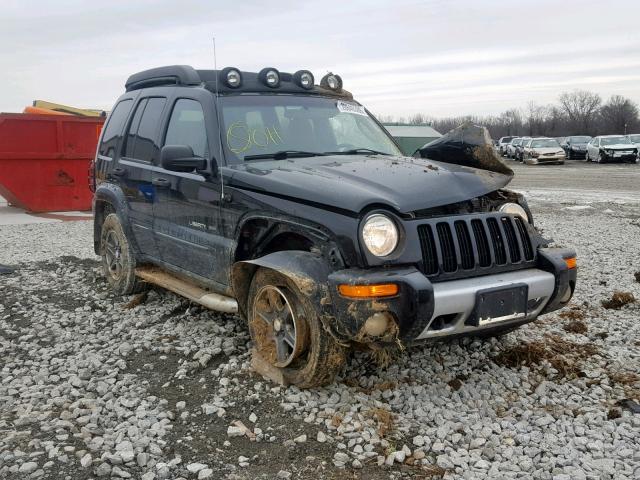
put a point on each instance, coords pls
(468, 243)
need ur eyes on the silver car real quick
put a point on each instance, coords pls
(542, 150)
(635, 139)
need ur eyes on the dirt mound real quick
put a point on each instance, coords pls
(565, 356)
(618, 300)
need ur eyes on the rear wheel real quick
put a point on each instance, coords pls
(118, 260)
(288, 334)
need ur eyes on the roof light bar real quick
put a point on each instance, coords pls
(331, 81)
(270, 77)
(304, 79)
(231, 77)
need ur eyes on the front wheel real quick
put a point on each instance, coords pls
(118, 260)
(287, 332)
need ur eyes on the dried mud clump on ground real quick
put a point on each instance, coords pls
(564, 356)
(576, 326)
(575, 313)
(618, 300)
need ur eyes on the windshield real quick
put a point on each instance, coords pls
(260, 126)
(545, 143)
(614, 140)
(516, 141)
(579, 139)
(634, 138)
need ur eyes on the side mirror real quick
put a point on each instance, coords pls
(180, 158)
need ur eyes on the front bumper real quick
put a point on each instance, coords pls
(577, 153)
(425, 310)
(544, 159)
(620, 156)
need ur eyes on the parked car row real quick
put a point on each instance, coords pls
(600, 149)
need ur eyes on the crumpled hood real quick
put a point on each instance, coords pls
(353, 182)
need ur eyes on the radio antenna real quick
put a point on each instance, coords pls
(217, 104)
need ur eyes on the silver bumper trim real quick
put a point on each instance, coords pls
(456, 300)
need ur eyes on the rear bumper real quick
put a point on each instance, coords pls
(425, 310)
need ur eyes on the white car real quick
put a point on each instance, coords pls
(502, 144)
(512, 147)
(542, 150)
(611, 148)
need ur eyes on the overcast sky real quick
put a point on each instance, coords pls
(398, 57)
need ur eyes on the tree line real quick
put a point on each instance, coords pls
(577, 113)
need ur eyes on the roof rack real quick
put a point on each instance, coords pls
(170, 75)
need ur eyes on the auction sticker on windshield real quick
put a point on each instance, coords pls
(347, 107)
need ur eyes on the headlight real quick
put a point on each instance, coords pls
(304, 78)
(334, 82)
(270, 77)
(513, 209)
(231, 77)
(380, 235)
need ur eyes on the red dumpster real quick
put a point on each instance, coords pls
(44, 160)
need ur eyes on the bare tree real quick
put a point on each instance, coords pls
(385, 118)
(577, 113)
(418, 119)
(619, 115)
(537, 119)
(512, 121)
(581, 107)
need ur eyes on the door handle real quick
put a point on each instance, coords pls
(119, 172)
(161, 182)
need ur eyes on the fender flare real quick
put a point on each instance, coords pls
(308, 271)
(113, 195)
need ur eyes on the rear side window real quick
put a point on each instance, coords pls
(114, 127)
(187, 127)
(141, 143)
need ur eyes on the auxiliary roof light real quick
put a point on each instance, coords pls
(304, 79)
(231, 77)
(270, 77)
(334, 82)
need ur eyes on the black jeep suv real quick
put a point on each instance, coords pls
(287, 202)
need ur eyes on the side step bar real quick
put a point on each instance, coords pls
(213, 301)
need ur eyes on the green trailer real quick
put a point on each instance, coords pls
(411, 137)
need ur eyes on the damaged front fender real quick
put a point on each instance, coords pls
(308, 271)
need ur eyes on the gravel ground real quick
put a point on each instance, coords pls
(94, 386)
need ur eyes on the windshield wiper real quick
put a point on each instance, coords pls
(355, 151)
(283, 154)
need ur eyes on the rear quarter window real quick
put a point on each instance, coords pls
(141, 141)
(114, 127)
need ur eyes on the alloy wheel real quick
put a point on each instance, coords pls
(280, 335)
(113, 254)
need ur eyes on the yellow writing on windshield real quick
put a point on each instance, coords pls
(241, 138)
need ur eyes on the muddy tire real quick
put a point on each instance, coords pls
(288, 334)
(118, 259)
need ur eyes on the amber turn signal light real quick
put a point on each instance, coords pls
(571, 262)
(368, 291)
